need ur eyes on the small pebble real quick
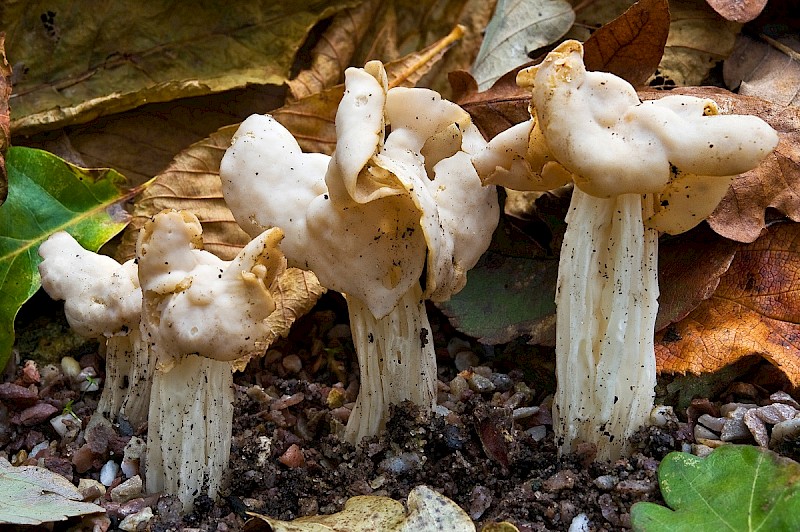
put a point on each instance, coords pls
(132, 455)
(785, 430)
(70, 368)
(701, 450)
(757, 427)
(635, 487)
(90, 489)
(775, 413)
(480, 501)
(580, 523)
(336, 398)
(458, 386)
(563, 480)
(785, 398)
(525, 411)
(465, 360)
(137, 521)
(130, 489)
(39, 447)
(538, 432)
(20, 396)
(700, 432)
(292, 363)
(65, 423)
(661, 415)
(727, 409)
(109, 472)
(34, 414)
(501, 381)
(293, 457)
(713, 423)
(734, 428)
(402, 463)
(480, 384)
(606, 482)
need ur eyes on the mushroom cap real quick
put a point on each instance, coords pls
(384, 211)
(592, 128)
(101, 296)
(196, 303)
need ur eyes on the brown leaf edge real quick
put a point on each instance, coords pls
(631, 45)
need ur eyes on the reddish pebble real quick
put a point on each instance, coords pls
(34, 415)
(293, 457)
(30, 373)
(18, 395)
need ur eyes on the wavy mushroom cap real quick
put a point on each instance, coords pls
(101, 296)
(198, 303)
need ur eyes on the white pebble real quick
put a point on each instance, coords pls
(108, 473)
(580, 523)
(39, 447)
(70, 367)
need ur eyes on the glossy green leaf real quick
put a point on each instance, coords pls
(31, 495)
(46, 194)
(735, 488)
(75, 60)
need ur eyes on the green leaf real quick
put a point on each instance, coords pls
(31, 495)
(78, 59)
(736, 487)
(46, 194)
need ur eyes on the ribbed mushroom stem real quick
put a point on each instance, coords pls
(189, 428)
(396, 360)
(606, 310)
(129, 368)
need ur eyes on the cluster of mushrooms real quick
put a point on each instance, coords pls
(397, 215)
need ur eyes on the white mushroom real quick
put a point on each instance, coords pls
(388, 221)
(102, 299)
(200, 313)
(638, 168)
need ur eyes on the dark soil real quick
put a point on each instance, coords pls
(487, 450)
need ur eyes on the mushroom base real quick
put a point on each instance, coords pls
(396, 361)
(189, 428)
(606, 309)
(126, 391)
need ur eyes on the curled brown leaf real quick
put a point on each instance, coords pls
(632, 44)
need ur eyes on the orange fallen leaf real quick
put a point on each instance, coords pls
(755, 310)
(632, 44)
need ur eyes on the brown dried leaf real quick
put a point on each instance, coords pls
(767, 71)
(191, 181)
(5, 119)
(402, 26)
(738, 10)
(631, 45)
(142, 142)
(332, 53)
(698, 39)
(689, 269)
(775, 184)
(754, 311)
(493, 110)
